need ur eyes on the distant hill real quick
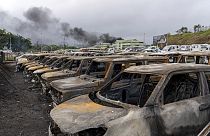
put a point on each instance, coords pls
(190, 38)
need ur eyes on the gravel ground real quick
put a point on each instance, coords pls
(23, 112)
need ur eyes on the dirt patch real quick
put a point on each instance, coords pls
(23, 112)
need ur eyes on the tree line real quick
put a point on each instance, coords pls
(20, 44)
(196, 28)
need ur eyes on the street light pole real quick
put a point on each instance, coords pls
(10, 44)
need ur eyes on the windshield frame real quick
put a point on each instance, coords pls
(127, 105)
(88, 72)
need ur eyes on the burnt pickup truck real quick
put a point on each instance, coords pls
(74, 67)
(100, 72)
(151, 100)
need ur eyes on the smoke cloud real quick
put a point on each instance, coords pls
(42, 27)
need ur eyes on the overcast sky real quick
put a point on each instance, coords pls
(123, 18)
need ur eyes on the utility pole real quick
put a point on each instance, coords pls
(41, 43)
(144, 38)
(167, 39)
(64, 42)
(10, 44)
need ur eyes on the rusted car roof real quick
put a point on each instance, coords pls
(165, 68)
(129, 58)
(165, 53)
(82, 58)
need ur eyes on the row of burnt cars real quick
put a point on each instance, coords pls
(125, 94)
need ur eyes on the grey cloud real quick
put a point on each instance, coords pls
(122, 18)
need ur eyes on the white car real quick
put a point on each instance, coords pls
(170, 48)
(185, 48)
(152, 49)
(199, 47)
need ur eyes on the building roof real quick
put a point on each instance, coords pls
(165, 68)
(128, 41)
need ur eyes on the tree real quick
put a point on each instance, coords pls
(182, 30)
(197, 28)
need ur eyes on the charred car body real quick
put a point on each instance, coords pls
(195, 57)
(100, 72)
(46, 62)
(35, 62)
(74, 67)
(21, 60)
(151, 100)
(55, 66)
(172, 56)
(25, 60)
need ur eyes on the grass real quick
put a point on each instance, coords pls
(190, 38)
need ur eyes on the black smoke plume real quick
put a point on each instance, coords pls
(41, 26)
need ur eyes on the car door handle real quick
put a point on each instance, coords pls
(203, 107)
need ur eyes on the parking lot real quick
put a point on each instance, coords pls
(150, 94)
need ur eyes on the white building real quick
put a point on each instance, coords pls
(122, 44)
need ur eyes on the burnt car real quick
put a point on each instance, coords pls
(172, 56)
(45, 63)
(196, 57)
(74, 67)
(23, 59)
(151, 100)
(100, 72)
(33, 59)
(38, 60)
(55, 66)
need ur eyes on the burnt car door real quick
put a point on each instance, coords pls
(84, 66)
(183, 108)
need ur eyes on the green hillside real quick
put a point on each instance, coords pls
(190, 38)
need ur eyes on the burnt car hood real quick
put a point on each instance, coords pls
(43, 70)
(72, 83)
(22, 61)
(53, 75)
(29, 63)
(82, 113)
(32, 65)
(36, 67)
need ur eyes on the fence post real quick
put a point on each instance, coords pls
(1, 57)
